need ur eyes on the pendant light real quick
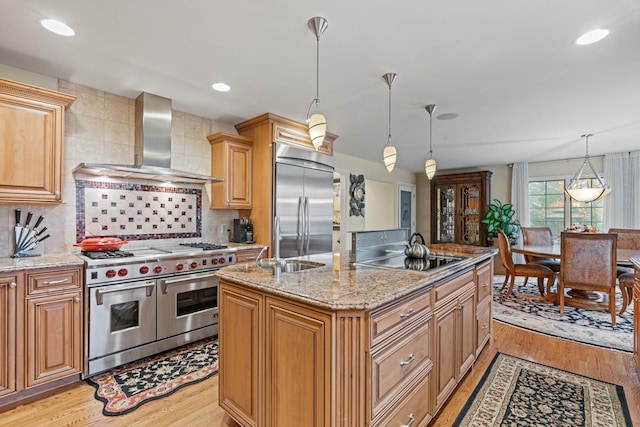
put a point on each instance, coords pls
(389, 154)
(317, 122)
(430, 163)
(589, 193)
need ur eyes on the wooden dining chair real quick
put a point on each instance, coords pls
(523, 270)
(628, 238)
(539, 236)
(588, 263)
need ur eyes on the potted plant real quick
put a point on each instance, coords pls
(501, 216)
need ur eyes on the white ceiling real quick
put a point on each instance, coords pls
(522, 89)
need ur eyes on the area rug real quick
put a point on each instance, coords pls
(526, 309)
(516, 392)
(124, 389)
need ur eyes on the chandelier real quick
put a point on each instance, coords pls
(581, 187)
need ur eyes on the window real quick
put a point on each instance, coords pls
(549, 206)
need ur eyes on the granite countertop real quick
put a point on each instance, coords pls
(8, 265)
(245, 246)
(342, 284)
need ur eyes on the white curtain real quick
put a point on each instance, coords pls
(622, 205)
(520, 192)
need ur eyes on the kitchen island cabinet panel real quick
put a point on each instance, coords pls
(241, 351)
(298, 366)
(32, 133)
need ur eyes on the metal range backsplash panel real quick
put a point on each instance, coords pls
(137, 211)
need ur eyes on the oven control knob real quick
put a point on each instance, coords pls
(111, 274)
(193, 265)
(144, 269)
(221, 261)
(214, 261)
(157, 269)
(123, 272)
(179, 267)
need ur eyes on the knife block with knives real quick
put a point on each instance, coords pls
(27, 238)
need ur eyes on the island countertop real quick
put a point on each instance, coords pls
(342, 284)
(8, 265)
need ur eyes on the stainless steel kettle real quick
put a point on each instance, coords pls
(418, 264)
(416, 249)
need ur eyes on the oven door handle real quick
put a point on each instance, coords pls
(100, 292)
(164, 283)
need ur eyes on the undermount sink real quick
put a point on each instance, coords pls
(296, 265)
(288, 266)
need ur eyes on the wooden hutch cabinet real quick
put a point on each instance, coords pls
(458, 203)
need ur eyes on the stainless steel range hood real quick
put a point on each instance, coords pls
(152, 158)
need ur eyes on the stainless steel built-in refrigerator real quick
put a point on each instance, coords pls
(303, 199)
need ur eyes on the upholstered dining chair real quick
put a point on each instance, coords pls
(628, 238)
(588, 263)
(523, 270)
(539, 236)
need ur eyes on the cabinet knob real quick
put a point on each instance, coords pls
(76, 299)
(57, 195)
(12, 285)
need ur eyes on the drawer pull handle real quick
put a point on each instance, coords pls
(12, 285)
(408, 313)
(56, 282)
(485, 285)
(485, 326)
(408, 361)
(411, 420)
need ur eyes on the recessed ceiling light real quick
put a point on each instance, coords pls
(221, 87)
(447, 116)
(592, 36)
(57, 27)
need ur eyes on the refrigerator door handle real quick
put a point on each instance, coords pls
(300, 226)
(307, 232)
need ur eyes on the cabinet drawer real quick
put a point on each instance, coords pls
(412, 410)
(399, 315)
(53, 280)
(448, 290)
(396, 364)
(483, 281)
(247, 255)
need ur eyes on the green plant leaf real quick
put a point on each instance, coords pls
(507, 206)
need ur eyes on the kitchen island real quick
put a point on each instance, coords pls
(349, 345)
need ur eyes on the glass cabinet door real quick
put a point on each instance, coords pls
(469, 213)
(445, 213)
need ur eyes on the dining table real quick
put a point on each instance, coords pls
(576, 298)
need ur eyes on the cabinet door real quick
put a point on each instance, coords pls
(469, 209)
(32, 132)
(445, 208)
(53, 337)
(231, 160)
(8, 306)
(241, 341)
(447, 359)
(636, 317)
(298, 366)
(467, 322)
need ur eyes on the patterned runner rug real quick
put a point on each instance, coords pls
(516, 392)
(125, 388)
(526, 309)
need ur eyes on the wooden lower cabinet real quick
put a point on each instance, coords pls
(284, 363)
(53, 338)
(636, 316)
(41, 336)
(10, 285)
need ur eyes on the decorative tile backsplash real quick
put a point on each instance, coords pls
(137, 211)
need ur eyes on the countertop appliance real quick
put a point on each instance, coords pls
(144, 301)
(303, 199)
(241, 226)
(385, 249)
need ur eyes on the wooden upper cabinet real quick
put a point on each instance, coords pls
(31, 143)
(232, 160)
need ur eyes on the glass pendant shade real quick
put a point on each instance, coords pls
(317, 129)
(581, 187)
(389, 155)
(430, 168)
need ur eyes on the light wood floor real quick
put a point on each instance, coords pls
(196, 405)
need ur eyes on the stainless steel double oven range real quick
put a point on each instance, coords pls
(145, 301)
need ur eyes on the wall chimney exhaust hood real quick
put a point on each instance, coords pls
(152, 157)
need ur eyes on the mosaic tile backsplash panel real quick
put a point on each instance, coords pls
(137, 211)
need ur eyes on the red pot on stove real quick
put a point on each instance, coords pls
(101, 244)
